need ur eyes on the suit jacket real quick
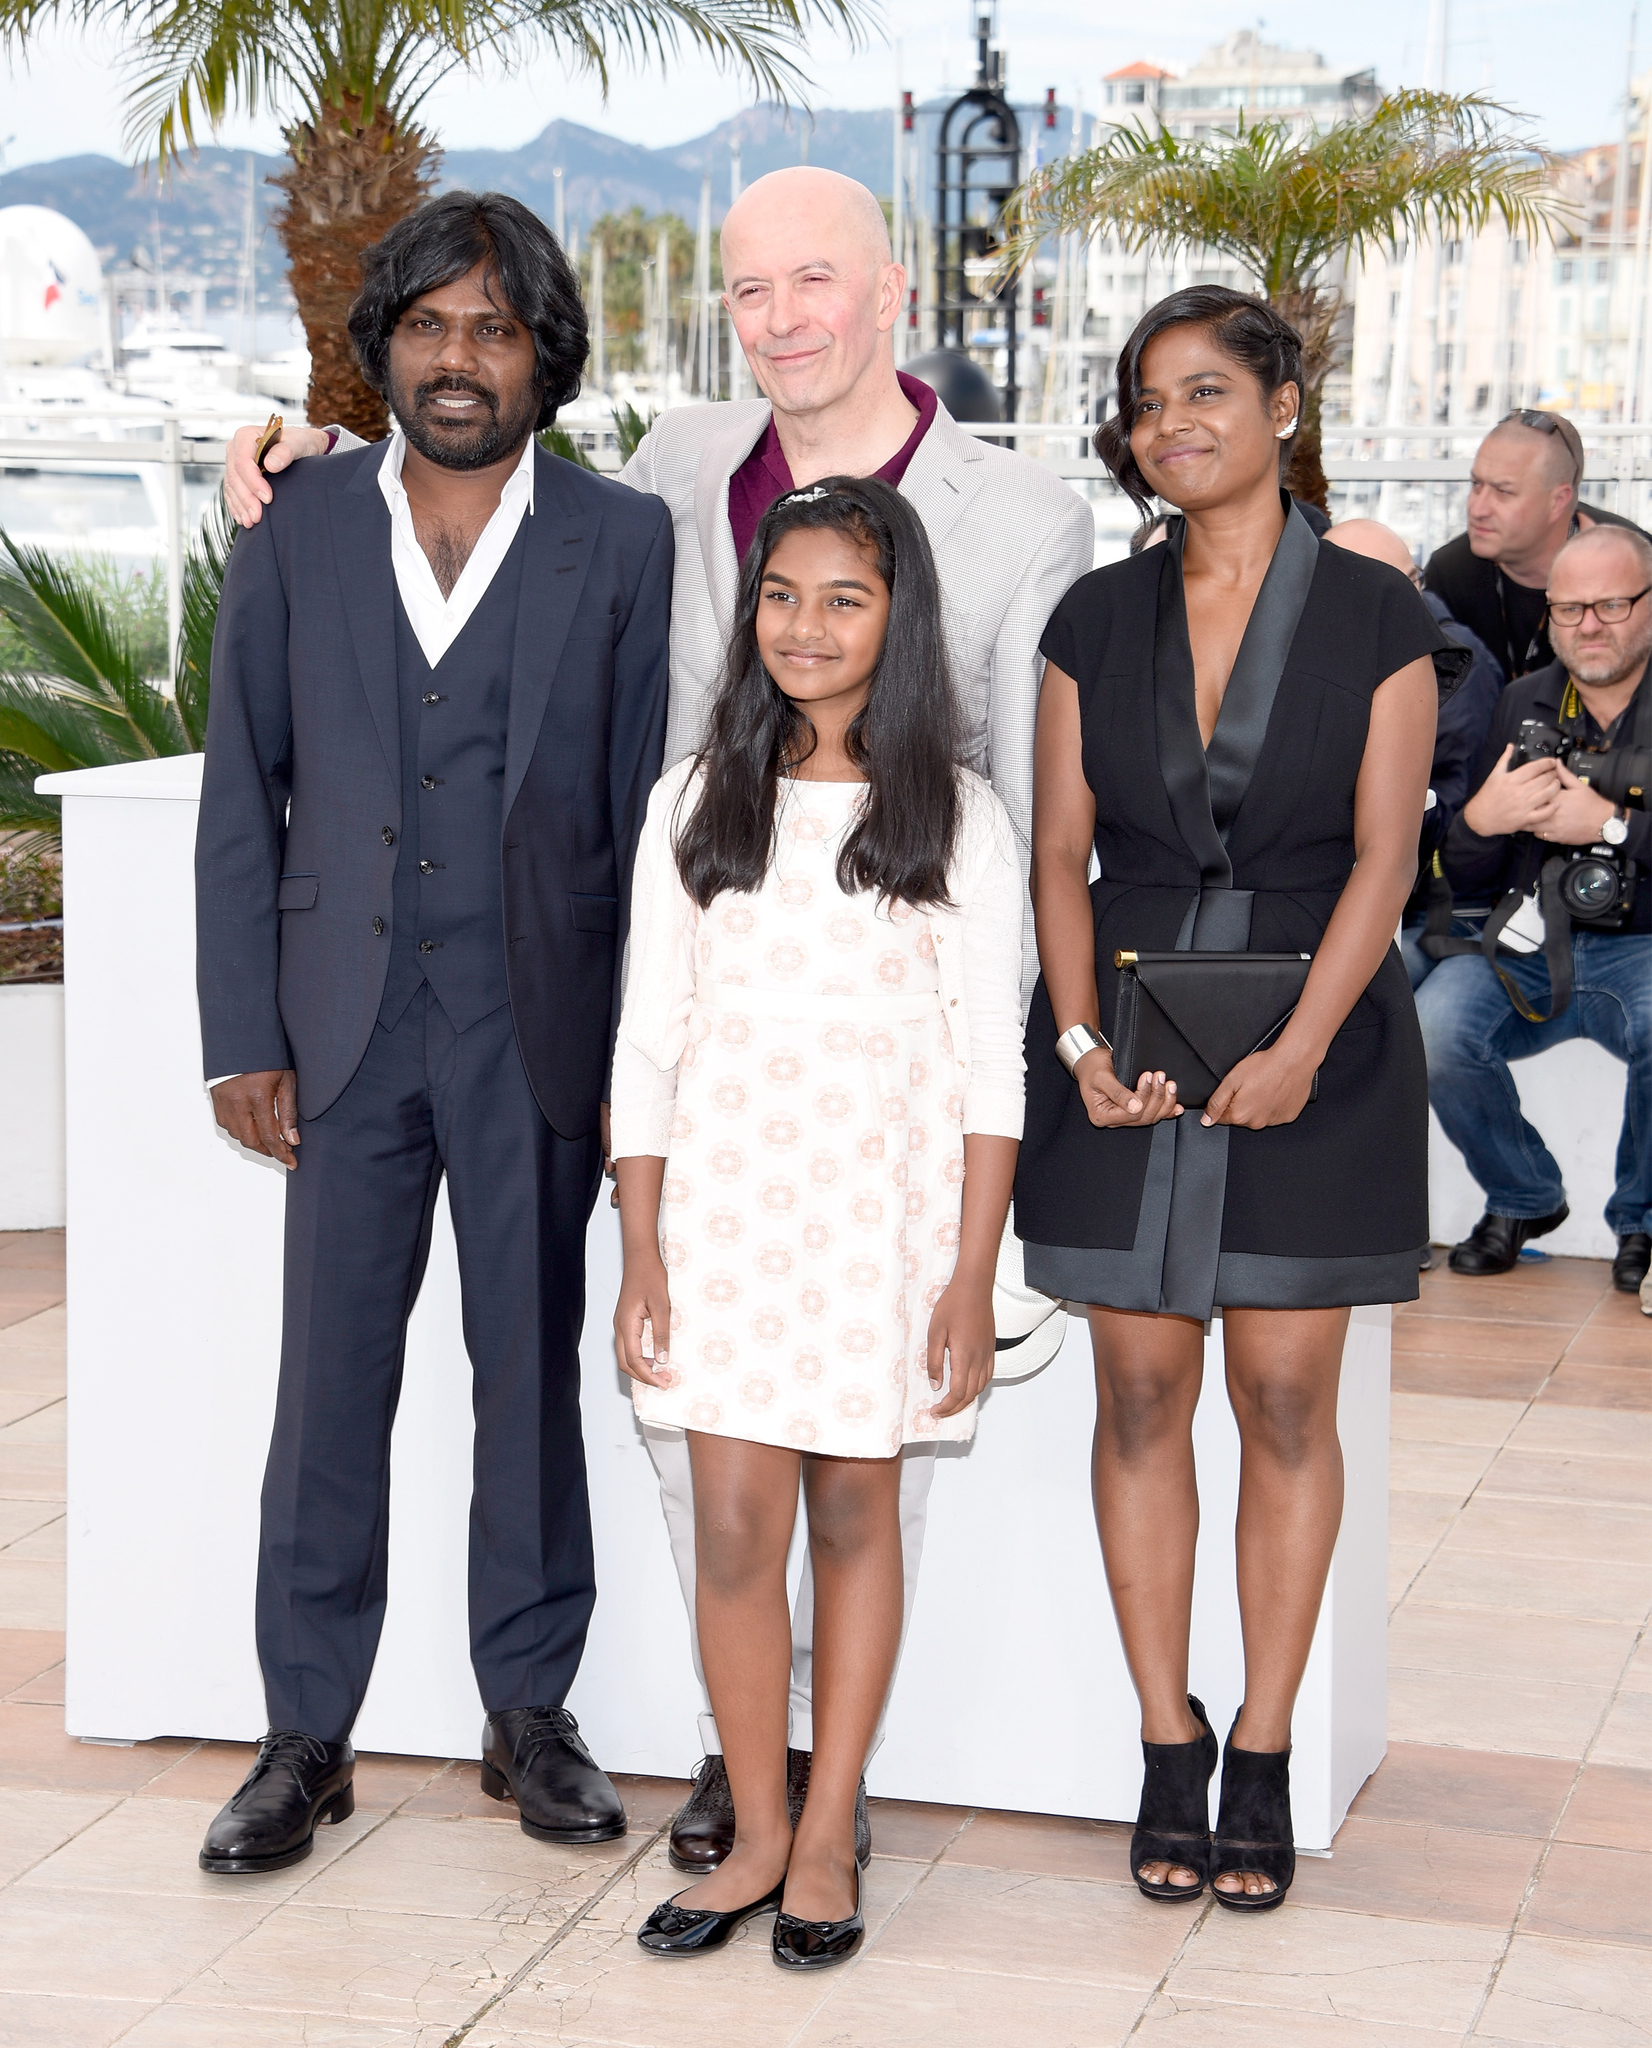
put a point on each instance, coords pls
(303, 778)
(1010, 538)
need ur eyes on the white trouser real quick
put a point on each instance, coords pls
(669, 1450)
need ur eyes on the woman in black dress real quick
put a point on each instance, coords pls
(1239, 722)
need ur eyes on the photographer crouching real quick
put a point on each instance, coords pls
(1557, 835)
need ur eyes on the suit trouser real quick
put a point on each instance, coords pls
(426, 1100)
(669, 1450)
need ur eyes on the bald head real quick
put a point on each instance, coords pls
(814, 295)
(1554, 459)
(1596, 551)
(816, 213)
(1370, 537)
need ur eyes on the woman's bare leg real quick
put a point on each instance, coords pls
(1149, 1369)
(1283, 1368)
(745, 1506)
(855, 1548)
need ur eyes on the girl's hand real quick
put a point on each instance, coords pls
(962, 1329)
(643, 1316)
(1267, 1088)
(1109, 1104)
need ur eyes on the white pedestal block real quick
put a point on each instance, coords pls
(1573, 1097)
(31, 1106)
(1012, 1691)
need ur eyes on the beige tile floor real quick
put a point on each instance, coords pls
(1492, 1885)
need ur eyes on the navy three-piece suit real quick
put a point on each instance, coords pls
(412, 888)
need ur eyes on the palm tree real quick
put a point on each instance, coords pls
(1286, 206)
(75, 689)
(351, 75)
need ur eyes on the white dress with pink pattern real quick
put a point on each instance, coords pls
(814, 1181)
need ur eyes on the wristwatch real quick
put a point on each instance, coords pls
(1616, 829)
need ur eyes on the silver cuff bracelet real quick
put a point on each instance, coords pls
(1073, 1044)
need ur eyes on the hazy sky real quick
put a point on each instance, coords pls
(1561, 61)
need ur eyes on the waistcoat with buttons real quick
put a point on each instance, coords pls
(448, 914)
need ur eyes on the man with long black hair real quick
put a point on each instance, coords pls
(413, 873)
(814, 295)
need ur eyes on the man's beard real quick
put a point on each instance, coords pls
(471, 444)
(1603, 668)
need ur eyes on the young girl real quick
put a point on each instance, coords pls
(817, 1102)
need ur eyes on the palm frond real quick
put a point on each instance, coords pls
(558, 441)
(203, 586)
(1282, 205)
(757, 40)
(630, 426)
(77, 677)
(23, 809)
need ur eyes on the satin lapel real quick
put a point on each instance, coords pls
(1247, 703)
(560, 542)
(721, 456)
(361, 547)
(1176, 723)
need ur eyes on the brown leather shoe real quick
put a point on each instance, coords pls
(703, 1832)
(797, 1786)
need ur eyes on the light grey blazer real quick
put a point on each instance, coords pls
(1010, 538)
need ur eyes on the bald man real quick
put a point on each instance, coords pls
(1459, 733)
(1518, 821)
(1523, 504)
(814, 293)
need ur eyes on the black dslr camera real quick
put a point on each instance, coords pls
(1597, 886)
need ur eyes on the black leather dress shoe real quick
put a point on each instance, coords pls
(673, 1930)
(534, 1756)
(798, 1762)
(1493, 1245)
(271, 1822)
(818, 1944)
(703, 1832)
(1630, 1266)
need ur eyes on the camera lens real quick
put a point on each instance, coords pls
(1588, 887)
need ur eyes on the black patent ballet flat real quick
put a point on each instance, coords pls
(1173, 1825)
(1253, 1827)
(818, 1944)
(673, 1930)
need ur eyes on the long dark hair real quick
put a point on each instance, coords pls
(905, 736)
(1244, 328)
(445, 239)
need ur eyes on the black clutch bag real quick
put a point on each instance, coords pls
(1195, 1016)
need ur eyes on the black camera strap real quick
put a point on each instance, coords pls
(1439, 943)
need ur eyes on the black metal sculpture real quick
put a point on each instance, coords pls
(978, 166)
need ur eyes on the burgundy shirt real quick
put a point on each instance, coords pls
(765, 475)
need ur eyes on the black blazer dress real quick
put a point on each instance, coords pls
(1244, 847)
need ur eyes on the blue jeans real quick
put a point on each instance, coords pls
(1472, 1031)
(1417, 963)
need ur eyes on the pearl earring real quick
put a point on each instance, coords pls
(1286, 431)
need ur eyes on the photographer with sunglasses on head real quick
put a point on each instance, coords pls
(1557, 836)
(1523, 507)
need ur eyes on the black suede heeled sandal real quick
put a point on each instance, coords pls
(1253, 1826)
(1173, 1825)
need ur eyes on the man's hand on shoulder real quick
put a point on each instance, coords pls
(260, 1111)
(246, 488)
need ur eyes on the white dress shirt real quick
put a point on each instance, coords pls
(438, 621)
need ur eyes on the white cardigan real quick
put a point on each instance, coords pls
(977, 954)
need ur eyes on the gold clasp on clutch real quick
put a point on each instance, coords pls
(1122, 959)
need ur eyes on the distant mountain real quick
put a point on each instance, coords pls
(194, 223)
